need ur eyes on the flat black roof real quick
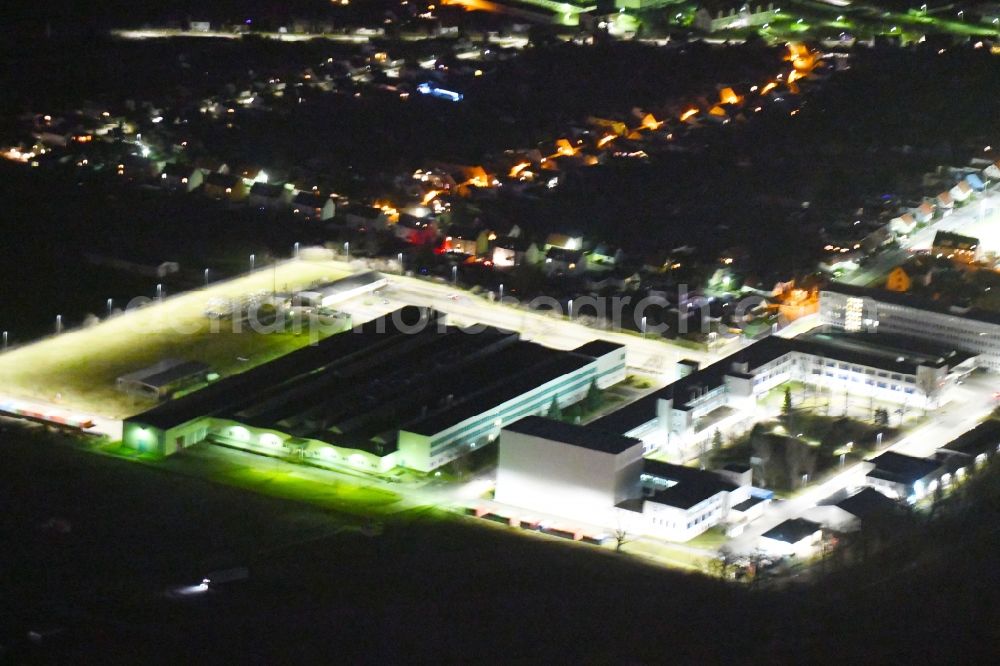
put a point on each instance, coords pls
(497, 393)
(598, 348)
(227, 393)
(913, 301)
(899, 468)
(793, 530)
(867, 503)
(583, 436)
(691, 486)
(984, 438)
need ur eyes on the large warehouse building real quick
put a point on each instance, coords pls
(402, 390)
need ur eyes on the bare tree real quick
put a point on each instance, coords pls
(622, 537)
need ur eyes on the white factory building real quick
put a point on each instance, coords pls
(582, 473)
(566, 470)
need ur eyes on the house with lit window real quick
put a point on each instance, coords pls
(180, 178)
(560, 261)
(313, 206)
(225, 187)
(269, 197)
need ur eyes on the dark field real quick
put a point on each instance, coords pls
(428, 588)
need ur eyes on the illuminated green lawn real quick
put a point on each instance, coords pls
(78, 369)
(334, 494)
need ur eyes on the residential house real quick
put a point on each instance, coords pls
(225, 187)
(992, 172)
(180, 178)
(269, 197)
(366, 218)
(313, 206)
(465, 240)
(209, 165)
(945, 203)
(603, 257)
(563, 242)
(903, 225)
(509, 251)
(961, 191)
(564, 262)
(415, 230)
(976, 183)
(924, 213)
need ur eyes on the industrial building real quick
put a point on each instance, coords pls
(684, 414)
(857, 309)
(904, 477)
(568, 470)
(402, 390)
(600, 478)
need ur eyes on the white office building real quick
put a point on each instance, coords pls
(858, 309)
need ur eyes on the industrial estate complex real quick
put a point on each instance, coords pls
(402, 390)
